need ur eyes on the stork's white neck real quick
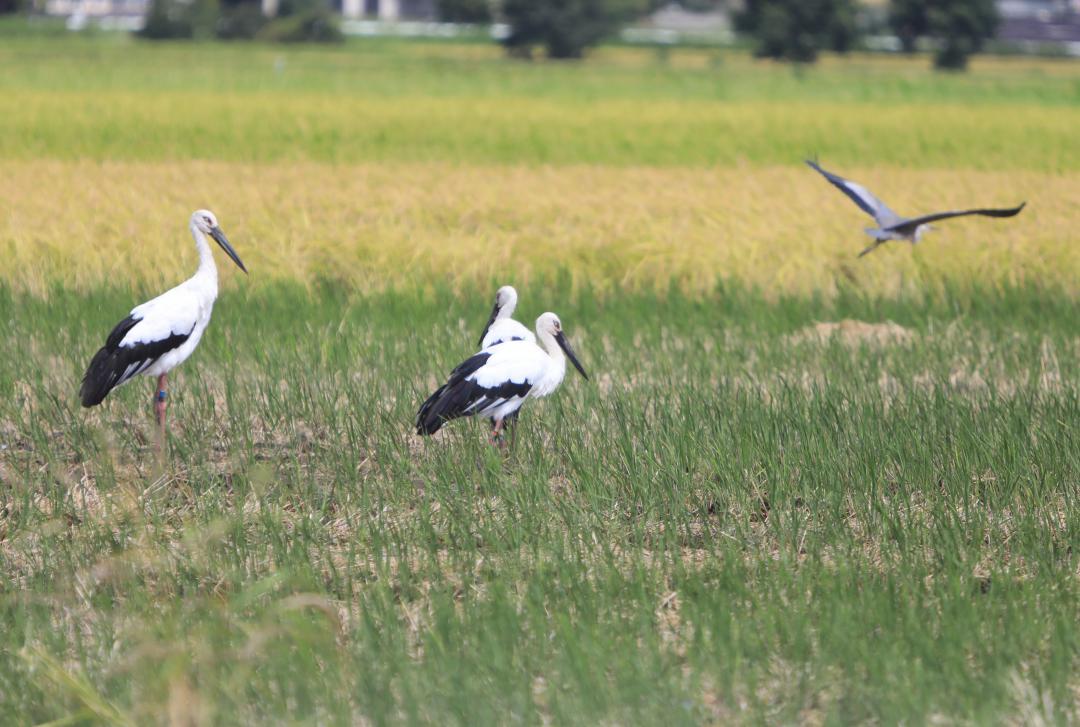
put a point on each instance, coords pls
(556, 371)
(553, 348)
(207, 268)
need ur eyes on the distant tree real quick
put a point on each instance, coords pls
(240, 20)
(10, 6)
(565, 28)
(960, 27)
(204, 16)
(796, 30)
(463, 11)
(167, 19)
(908, 21)
(302, 22)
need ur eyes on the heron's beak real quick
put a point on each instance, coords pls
(487, 326)
(219, 237)
(564, 344)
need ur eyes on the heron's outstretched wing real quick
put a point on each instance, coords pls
(860, 195)
(908, 226)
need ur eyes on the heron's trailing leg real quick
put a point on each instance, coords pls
(160, 405)
(875, 246)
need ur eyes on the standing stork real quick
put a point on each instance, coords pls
(160, 334)
(500, 327)
(496, 382)
(891, 226)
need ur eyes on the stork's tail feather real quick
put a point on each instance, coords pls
(430, 417)
(100, 378)
(103, 373)
(452, 399)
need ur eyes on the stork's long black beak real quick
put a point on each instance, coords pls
(487, 326)
(219, 237)
(564, 344)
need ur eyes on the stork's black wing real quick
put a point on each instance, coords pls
(463, 396)
(115, 364)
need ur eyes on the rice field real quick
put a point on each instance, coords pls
(798, 487)
(781, 230)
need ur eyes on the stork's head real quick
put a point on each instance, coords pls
(549, 327)
(206, 222)
(505, 301)
(548, 323)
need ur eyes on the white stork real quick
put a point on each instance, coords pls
(496, 382)
(500, 327)
(160, 334)
(892, 226)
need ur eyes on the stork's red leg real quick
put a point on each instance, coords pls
(160, 405)
(496, 433)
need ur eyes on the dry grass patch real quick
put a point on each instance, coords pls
(854, 333)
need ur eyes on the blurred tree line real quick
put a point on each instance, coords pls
(296, 21)
(797, 30)
(791, 30)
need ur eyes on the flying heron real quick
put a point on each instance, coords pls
(892, 226)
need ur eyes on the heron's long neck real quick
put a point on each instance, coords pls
(207, 268)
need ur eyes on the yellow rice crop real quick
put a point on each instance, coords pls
(782, 229)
